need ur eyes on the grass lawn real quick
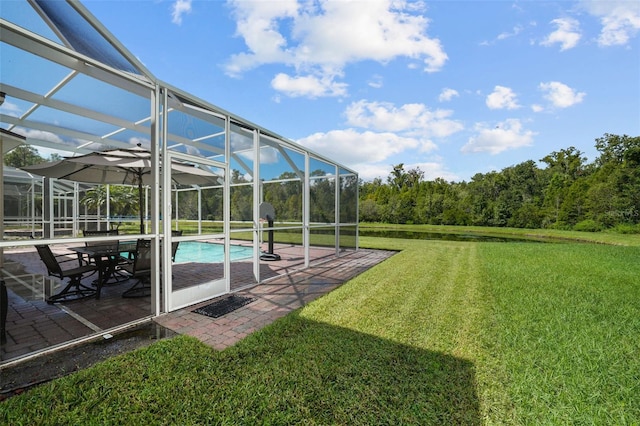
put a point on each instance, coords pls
(441, 333)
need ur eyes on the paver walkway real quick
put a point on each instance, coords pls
(273, 299)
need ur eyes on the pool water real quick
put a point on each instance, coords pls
(201, 252)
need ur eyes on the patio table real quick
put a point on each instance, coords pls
(107, 258)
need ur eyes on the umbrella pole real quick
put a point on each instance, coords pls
(140, 205)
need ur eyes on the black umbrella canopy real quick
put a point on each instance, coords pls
(122, 167)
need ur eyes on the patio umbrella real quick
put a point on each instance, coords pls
(120, 166)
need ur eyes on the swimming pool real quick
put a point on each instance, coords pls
(202, 252)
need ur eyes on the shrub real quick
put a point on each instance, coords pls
(588, 225)
(627, 228)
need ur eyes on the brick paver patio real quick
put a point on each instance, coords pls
(273, 299)
(280, 295)
(34, 325)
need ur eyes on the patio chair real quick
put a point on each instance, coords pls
(117, 260)
(140, 270)
(98, 233)
(174, 244)
(75, 289)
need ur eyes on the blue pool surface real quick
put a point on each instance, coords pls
(202, 252)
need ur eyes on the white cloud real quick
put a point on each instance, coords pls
(268, 155)
(567, 34)
(409, 119)
(257, 24)
(514, 32)
(321, 38)
(309, 86)
(47, 143)
(240, 141)
(537, 108)
(376, 81)
(388, 131)
(620, 20)
(560, 95)
(502, 98)
(507, 135)
(369, 172)
(433, 170)
(180, 8)
(41, 135)
(11, 109)
(242, 146)
(381, 31)
(447, 94)
(357, 148)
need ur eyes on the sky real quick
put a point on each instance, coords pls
(453, 88)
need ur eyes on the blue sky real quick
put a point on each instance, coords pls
(452, 87)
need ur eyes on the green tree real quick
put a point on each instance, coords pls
(369, 211)
(322, 197)
(241, 197)
(348, 199)
(567, 193)
(21, 156)
(564, 167)
(616, 149)
(520, 196)
(404, 189)
(187, 205)
(487, 207)
(285, 195)
(615, 195)
(123, 200)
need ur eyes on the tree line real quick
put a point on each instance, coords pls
(567, 192)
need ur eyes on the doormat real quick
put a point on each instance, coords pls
(224, 306)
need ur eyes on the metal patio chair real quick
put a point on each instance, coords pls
(174, 244)
(75, 289)
(140, 270)
(117, 260)
(98, 233)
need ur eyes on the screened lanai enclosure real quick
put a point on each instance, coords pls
(69, 89)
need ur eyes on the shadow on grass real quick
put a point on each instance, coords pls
(295, 371)
(336, 375)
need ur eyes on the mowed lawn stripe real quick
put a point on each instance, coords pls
(566, 330)
(425, 297)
